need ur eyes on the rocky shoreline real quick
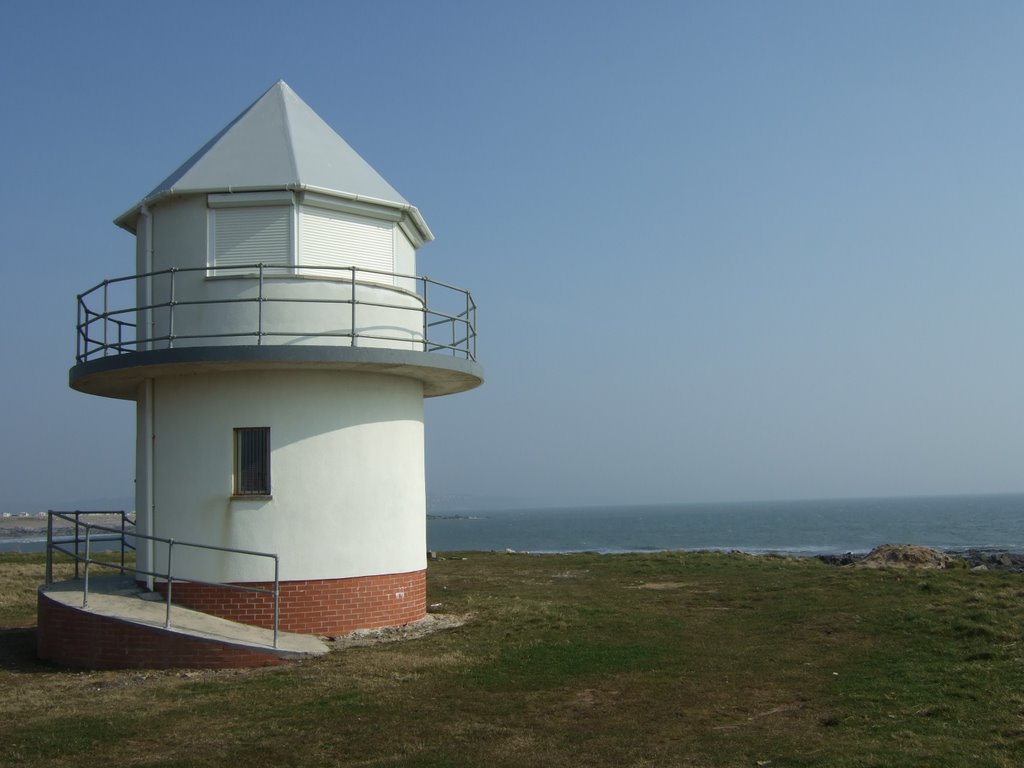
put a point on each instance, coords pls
(911, 556)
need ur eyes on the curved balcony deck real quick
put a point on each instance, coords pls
(256, 317)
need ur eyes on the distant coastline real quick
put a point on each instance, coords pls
(33, 526)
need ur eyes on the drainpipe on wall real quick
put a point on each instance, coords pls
(148, 436)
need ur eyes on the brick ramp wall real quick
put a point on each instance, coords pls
(74, 637)
(328, 607)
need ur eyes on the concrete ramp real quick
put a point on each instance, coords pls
(123, 627)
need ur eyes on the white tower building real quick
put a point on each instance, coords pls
(278, 346)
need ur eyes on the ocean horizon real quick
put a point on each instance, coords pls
(802, 527)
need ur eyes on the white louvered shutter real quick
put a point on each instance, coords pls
(336, 239)
(258, 235)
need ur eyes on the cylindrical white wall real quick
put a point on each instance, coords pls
(347, 474)
(295, 310)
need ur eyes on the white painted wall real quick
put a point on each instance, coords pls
(384, 317)
(347, 473)
(180, 231)
(405, 260)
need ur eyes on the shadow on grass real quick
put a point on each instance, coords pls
(18, 650)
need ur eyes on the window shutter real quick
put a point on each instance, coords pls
(259, 235)
(336, 239)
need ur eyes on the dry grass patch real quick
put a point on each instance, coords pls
(19, 581)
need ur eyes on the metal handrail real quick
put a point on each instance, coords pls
(107, 326)
(125, 544)
(168, 577)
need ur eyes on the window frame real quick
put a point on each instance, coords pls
(250, 476)
(217, 202)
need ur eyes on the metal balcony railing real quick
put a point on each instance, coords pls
(123, 314)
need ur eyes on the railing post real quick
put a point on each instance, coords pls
(352, 328)
(88, 556)
(277, 597)
(170, 584)
(106, 319)
(78, 336)
(49, 547)
(122, 541)
(77, 559)
(473, 329)
(468, 329)
(259, 311)
(426, 306)
(170, 312)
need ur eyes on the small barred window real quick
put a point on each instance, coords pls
(252, 461)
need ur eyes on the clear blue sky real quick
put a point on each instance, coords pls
(722, 250)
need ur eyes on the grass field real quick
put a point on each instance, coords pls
(679, 659)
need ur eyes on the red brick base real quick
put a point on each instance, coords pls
(319, 607)
(77, 638)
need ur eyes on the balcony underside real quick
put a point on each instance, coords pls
(119, 376)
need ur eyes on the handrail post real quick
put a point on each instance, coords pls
(170, 312)
(77, 558)
(352, 328)
(106, 318)
(277, 597)
(426, 306)
(122, 541)
(88, 556)
(170, 584)
(49, 547)
(259, 311)
(78, 336)
(469, 329)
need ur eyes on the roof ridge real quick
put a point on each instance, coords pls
(287, 91)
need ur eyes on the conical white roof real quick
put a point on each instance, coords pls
(278, 142)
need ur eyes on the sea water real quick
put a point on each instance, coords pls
(790, 527)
